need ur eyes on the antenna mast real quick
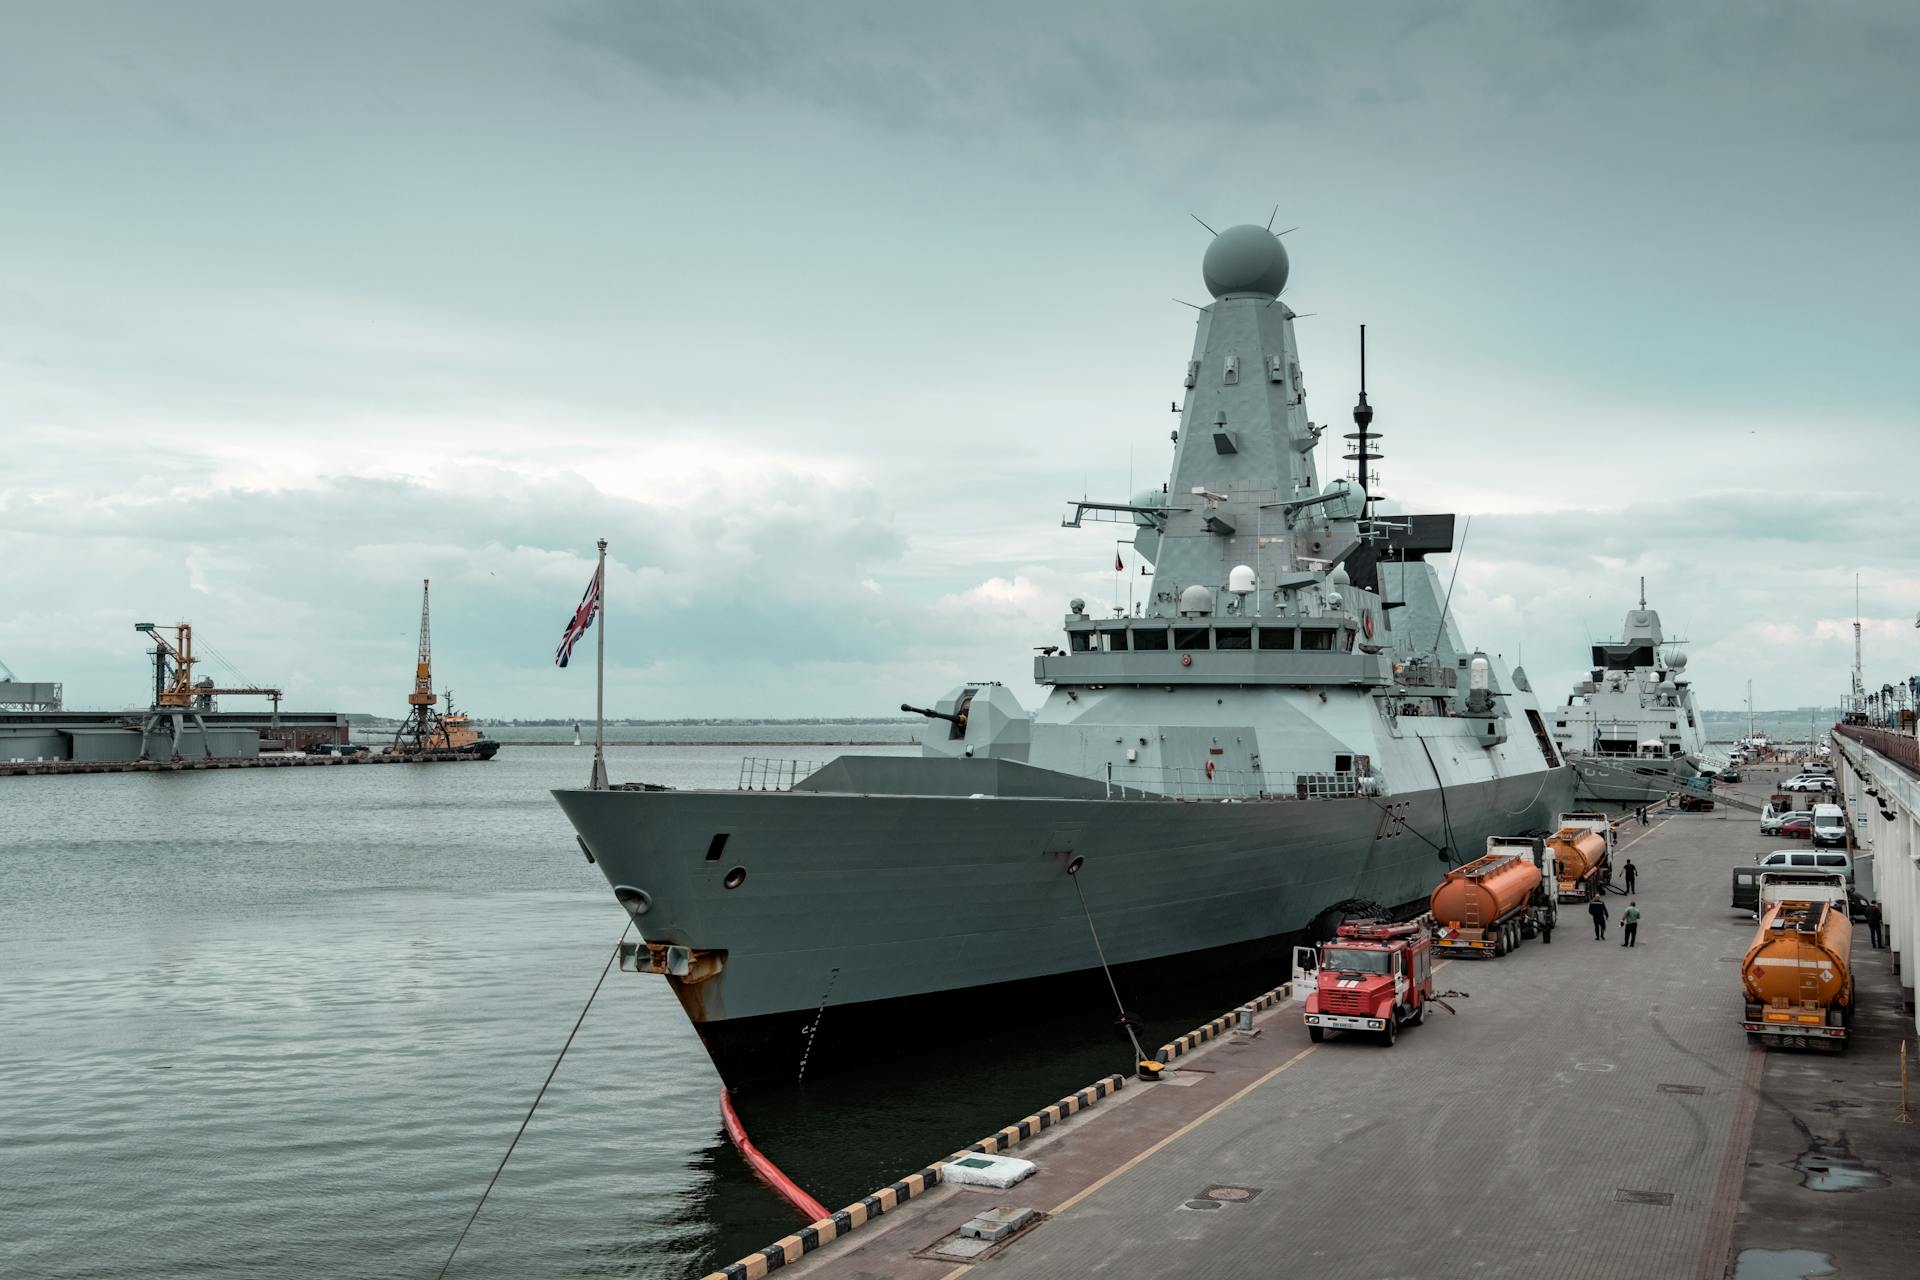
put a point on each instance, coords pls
(1363, 455)
(1859, 686)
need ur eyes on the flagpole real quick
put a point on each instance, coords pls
(599, 779)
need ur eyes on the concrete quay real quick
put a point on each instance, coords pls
(1591, 1111)
(48, 768)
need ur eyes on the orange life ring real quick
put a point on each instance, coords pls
(1366, 623)
(1209, 768)
(1186, 659)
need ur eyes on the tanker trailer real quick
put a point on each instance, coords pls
(1797, 973)
(1584, 859)
(1483, 908)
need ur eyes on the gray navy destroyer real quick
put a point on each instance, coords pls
(1291, 725)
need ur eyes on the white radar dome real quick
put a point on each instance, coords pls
(1678, 662)
(1343, 500)
(1240, 579)
(1245, 261)
(1196, 601)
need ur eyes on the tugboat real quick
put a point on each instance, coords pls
(1290, 730)
(1630, 729)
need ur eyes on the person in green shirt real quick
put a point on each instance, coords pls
(1629, 925)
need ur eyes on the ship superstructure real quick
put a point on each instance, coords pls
(1290, 722)
(1631, 729)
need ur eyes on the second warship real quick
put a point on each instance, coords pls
(1630, 729)
(1290, 724)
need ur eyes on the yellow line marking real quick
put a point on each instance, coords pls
(1181, 1132)
(960, 1270)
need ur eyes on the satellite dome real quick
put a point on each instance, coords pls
(1196, 601)
(1678, 662)
(1245, 261)
(1241, 580)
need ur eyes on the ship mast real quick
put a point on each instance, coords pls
(1362, 437)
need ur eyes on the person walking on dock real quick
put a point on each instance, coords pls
(1598, 910)
(1875, 930)
(1629, 925)
(1633, 873)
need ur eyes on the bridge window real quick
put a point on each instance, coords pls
(1318, 640)
(1154, 638)
(1276, 637)
(1232, 638)
(1190, 638)
(1113, 642)
(1346, 640)
(1080, 641)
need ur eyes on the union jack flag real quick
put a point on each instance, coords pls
(582, 619)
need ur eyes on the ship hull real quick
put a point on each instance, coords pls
(1630, 781)
(887, 911)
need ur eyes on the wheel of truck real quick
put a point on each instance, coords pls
(1316, 1034)
(1418, 1016)
(1386, 1037)
(1514, 936)
(1500, 941)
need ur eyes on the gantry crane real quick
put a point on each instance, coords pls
(423, 729)
(176, 697)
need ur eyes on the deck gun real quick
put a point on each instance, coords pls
(958, 721)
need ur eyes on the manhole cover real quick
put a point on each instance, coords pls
(1683, 1088)
(1625, 1196)
(1231, 1195)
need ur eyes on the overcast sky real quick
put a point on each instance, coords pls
(819, 312)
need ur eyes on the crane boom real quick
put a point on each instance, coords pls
(422, 695)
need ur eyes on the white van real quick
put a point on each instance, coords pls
(1829, 825)
(1809, 860)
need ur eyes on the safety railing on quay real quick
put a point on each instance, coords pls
(1901, 748)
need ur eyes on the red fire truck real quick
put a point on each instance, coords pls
(1373, 976)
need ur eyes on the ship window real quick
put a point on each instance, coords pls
(1343, 764)
(1346, 640)
(1276, 637)
(717, 846)
(1232, 638)
(1113, 642)
(1320, 640)
(1150, 638)
(1189, 637)
(1559, 724)
(1080, 641)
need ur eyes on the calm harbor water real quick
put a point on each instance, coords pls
(285, 1022)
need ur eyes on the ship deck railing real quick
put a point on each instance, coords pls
(1241, 784)
(765, 773)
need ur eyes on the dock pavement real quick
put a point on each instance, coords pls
(1591, 1111)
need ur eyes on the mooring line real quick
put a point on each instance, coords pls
(1126, 1019)
(501, 1167)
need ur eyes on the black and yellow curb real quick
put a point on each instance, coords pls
(1221, 1025)
(804, 1241)
(1045, 1118)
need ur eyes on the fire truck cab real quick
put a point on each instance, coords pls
(1372, 976)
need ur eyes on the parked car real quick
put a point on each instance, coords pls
(1807, 782)
(1770, 823)
(1800, 828)
(1730, 774)
(1829, 825)
(1826, 860)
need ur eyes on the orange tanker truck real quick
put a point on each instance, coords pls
(1583, 853)
(1486, 907)
(1798, 973)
